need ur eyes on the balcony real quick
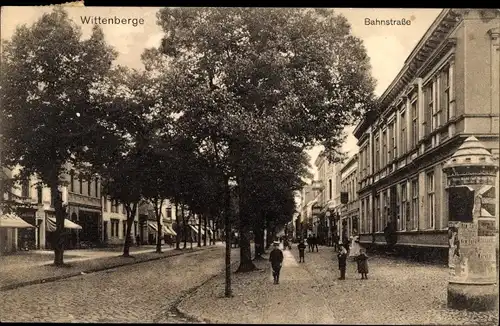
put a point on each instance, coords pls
(317, 185)
(84, 200)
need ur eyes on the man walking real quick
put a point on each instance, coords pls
(342, 257)
(276, 259)
(302, 249)
(315, 240)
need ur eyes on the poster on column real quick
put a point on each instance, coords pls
(463, 241)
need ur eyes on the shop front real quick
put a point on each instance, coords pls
(10, 224)
(27, 237)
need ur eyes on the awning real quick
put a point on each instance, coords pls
(168, 230)
(13, 221)
(153, 226)
(194, 229)
(51, 224)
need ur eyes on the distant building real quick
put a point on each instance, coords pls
(114, 216)
(328, 202)
(349, 214)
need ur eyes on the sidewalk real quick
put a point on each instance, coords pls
(36, 267)
(396, 292)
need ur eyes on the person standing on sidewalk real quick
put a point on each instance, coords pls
(362, 261)
(276, 259)
(315, 240)
(342, 257)
(302, 251)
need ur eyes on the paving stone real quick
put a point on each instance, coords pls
(134, 293)
(397, 292)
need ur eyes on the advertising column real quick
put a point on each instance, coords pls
(472, 229)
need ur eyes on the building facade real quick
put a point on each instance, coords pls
(448, 90)
(114, 227)
(84, 207)
(326, 222)
(349, 214)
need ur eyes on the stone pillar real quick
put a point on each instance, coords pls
(472, 229)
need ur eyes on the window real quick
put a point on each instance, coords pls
(80, 180)
(385, 217)
(404, 142)
(169, 212)
(72, 180)
(377, 213)
(404, 206)
(124, 231)
(397, 207)
(367, 159)
(330, 188)
(445, 94)
(89, 187)
(414, 204)
(436, 110)
(431, 205)
(39, 194)
(105, 204)
(384, 149)
(428, 107)
(114, 227)
(414, 124)
(96, 187)
(377, 154)
(25, 188)
(392, 142)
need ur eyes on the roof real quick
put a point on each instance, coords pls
(471, 153)
(430, 43)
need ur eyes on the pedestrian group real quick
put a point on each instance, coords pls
(349, 248)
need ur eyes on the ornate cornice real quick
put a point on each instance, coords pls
(432, 43)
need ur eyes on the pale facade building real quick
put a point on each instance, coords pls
(448, 90)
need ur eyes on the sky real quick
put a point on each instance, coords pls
(387, 46)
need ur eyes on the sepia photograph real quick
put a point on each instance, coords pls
(246, 165)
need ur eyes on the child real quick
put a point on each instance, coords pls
(302, 249)
(362, 261)
(342, 256)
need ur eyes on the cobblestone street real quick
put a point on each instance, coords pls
(397, 292)
(143, 292)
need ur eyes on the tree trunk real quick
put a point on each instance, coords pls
(159, 234)
(59, 236)
(269, 238)
(227, 231)
(130, 220)
(246, 264)
(158, 207)
(259, 242)
(205, 223)
(178, 229)
(184, 227)
(199, 230)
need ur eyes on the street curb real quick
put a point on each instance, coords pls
(188, 293)
(93, 270)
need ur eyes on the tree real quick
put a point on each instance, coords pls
(48, 113)
(126, 102)
(291, 73)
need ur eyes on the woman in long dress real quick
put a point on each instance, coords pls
(354, 246)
